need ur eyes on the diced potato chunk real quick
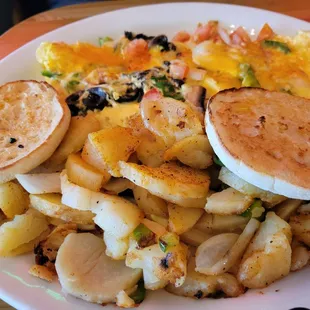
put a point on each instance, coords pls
(47, 250)
(149, 203)
(124, 301)
(300, 225)
(215, 224)
(50, 205)
(29, 246)
(228, 202)
(168, 180)
(199, 285)
(159, 268)
(182, 219)
(187, 202)
(83, 174)
(300, 256)
(286, 208)
(194, 237)
(119, 218)
(193, 151)
(116, 248)
(80, 127)
(42, 272)
(13, 199)
(222, 252)
(159, 220)
(91, 156)
(23, 229)
(248, 189)
(212, 250)
(268, 257)
(40, 183)
(114, 214)
(151, 150)
(111, 145)
(118, 185)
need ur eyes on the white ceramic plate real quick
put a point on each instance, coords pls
(23, 291)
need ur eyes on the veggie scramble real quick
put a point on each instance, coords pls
(134, 197)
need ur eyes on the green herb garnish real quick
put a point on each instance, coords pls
(50, 74)
(71, 85)
(256, 210)
(142, 234)
(103, 40)
(217, 161)
(76, 75)
(166, 87)
(283, 47)
(247, 76)
(168, 240)
(139, 294)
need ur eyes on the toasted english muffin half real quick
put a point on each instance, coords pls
(263, 137)
(33, 121)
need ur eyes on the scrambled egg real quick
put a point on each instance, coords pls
(272, 68)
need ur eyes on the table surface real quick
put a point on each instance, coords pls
(50, 20)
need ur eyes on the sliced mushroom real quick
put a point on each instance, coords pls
(85, 271)
(162, 40)
(131, 94)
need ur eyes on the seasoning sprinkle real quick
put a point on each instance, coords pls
(12, 140)
(20, 146)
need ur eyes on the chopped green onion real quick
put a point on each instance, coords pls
(141, 231)
(71, 85)
(50, 74)
(76, 75)
(139, 294)
(104, 40)
(217, 161)
(166, 87)
(144, 236)
(247, 76)
(283, 47)
(168, 240)
(256, 210)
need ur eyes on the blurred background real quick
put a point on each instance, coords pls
(14, 11)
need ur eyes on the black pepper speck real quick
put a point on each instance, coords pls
(20, 146)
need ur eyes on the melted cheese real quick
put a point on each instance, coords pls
(273, 69)
(116, 116)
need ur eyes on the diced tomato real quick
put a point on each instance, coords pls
(152, 95)
(240, 37)
(136, 48)
(224, 35)
(265, 33)
(178, 69)
(205, 32)
(181, 36)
